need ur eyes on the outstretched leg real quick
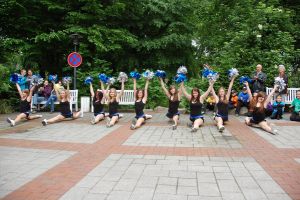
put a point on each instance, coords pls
(112, 121)
(34, 117)
(138, 123)
(264, 125)
(219, 122)
(197, 123)
(175, 119)
(17, 119)
(58, 118)
(98, 118)
(247, 121)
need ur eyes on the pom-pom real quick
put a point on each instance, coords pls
(14, 78)
(180, 78)
(244, 79)
(148, 74)
(67, 80)
(52, 77)
(281, 83)
(111, 80)
(160, 74)
(182, 70)
(232, 72)
(88, 80)
(210, 74)
(122, 77)
(135, 75)
(37, 79)
(103, 78)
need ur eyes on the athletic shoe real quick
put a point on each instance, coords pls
(108, 123)
(121, 115)
(12, 122)
(132, 127)
(194, 130)
(93, 121)
(274, 132)
(9, 120)
(44, 122)
(174, 127)
(221, 129)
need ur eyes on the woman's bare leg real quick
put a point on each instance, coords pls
(197, 123)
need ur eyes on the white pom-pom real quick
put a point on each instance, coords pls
(233, 72)
(281, 83)
(148, 74)
(111, 80)
(122, 77)
(182, 70)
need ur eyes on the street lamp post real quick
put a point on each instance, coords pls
(75, 37)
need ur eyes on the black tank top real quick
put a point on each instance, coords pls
(139, 108)
(98, 106)
(222, 108)
(24, 106)
(65, 107)
(113, 107)
(173, 106)
(258, 115)
(196, 108)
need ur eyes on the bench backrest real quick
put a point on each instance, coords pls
(290, 97)
(127, 98)
(73, 96)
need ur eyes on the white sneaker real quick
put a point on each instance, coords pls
(44, 122)
(121, 115)
(221, 129)
(275, 132)
(132, 127)
(108, 122)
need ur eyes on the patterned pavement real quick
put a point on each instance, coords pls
(75, 160)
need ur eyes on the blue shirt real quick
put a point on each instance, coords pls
(244, 97)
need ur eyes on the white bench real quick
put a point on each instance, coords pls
(290, 97)
(126, 99)
(73, 100)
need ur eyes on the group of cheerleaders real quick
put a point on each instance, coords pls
(259, 102)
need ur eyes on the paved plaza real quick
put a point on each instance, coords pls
(74, 160)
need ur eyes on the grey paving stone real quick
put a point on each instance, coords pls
(203, 198)
(19, 166)
(158, 196)
(208, 189)
(269, 186)
(252, 194)
(247, 183)
(167, 181)
(278, 197)
(232, 196)
(95, 197)
(119, 195)
(188, 182)
(224, 175)
(185, 190)
(142, 194)
(165, 189)
(64, 132)
(206, 177)
(228, 186)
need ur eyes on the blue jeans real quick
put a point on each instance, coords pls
(51, 101)
(36, 99)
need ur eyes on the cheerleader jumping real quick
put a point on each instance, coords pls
(98, 103)
(259, 115)
(113, 104)
(222, 105)
(25, 99)
(140, 102)
(174, 96)
(63, 96)
(196, 102)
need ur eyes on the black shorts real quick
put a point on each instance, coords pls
(99, 113)
(26, 113)
(252, 121)
(140, 116)
(224, 118)
(113, 115)
(171, 115)
(67, 115)
(194, 118)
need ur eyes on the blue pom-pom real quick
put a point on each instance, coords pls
(52, 78)
(135, 75)
(14, 78)
(244, 79)
(66, 80)
(232, 72)
(180, 78)
(210, 74)
(88, 80)
(103, 78)
(160, 74)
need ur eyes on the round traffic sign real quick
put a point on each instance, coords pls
(74, 59)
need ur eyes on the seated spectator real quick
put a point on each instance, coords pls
(233, 100)
(23, 80)
(295, 116)
(243, 101)
(42, 94)
(210, 102)
(278, 108)
(51, 100)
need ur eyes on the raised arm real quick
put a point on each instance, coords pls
(164, 87)
(106, 94)
(102, 87)
(30, 93)
(230, 88)
(92, 90)
(248, 91)
(146, 91)
(19, 90)
(56, 91)
(214, 94)
(134, 87)
(203, 96)
(122, 91)
(269, 98)
(182, 88)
